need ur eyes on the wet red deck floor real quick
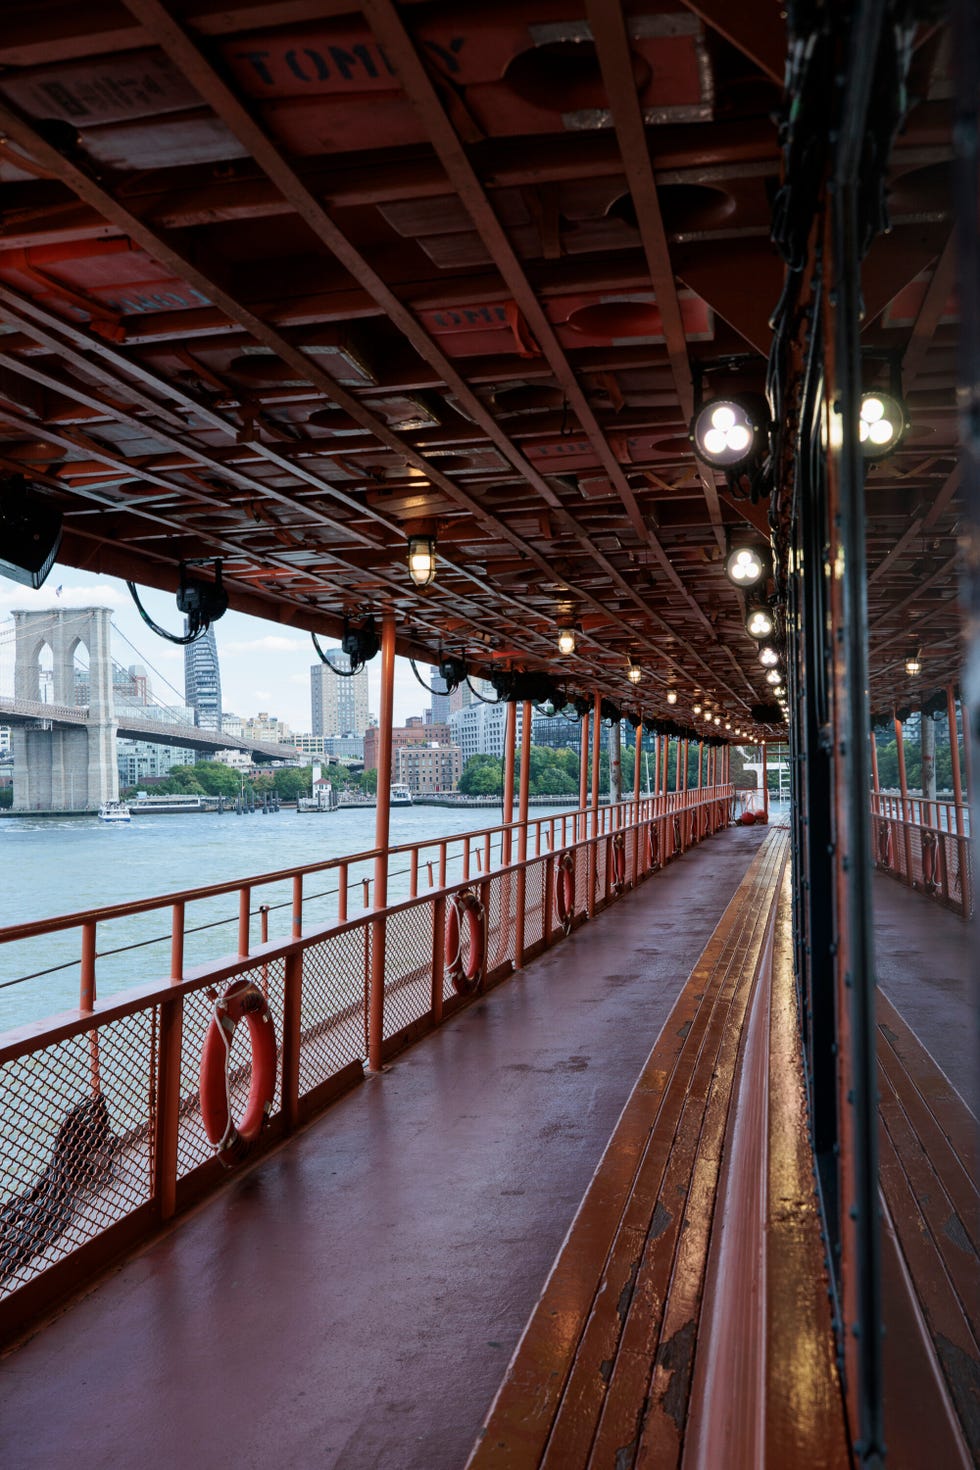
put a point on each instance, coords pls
(354, 1300)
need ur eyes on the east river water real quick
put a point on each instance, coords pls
(66, 865)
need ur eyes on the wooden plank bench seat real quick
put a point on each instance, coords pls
(603, 1373)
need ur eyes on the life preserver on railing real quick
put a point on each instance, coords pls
(233, 1141)
(618, 862)
(884, 845)
(930, 843)
(565, 890)
(653, 844)
(465, 978)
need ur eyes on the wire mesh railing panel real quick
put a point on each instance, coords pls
(78, 1118)
(534, 897)
(193, 1145)
(501, 919)
(408, 966)
(334, 1006)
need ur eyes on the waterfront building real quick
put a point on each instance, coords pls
(417, 733)
(428, 768)
(202, 680)
(339, 703)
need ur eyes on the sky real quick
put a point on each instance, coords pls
(264, 667)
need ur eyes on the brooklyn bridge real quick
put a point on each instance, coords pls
(64, 747)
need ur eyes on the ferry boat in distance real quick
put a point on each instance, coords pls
(175, 803)
(400, 795)
(114, 811)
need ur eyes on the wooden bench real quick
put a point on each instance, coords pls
(603, 1374)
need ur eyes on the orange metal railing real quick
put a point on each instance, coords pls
(101, 1124)
(925, 844)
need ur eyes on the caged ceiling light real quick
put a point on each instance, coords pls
(745, 566)
(633, 672)
(913, 665)
(695, 709)
(566, 641)
(758, 622)
(725, 434)
(422, 560)
(671, 696)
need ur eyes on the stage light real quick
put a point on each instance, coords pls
(745, 566)
(30, 533)
(566, 641)
(724, 434)
(881, 424)
(758, 622)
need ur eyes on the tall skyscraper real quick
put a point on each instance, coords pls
(202, 680)
(440, 699)
(339, 704)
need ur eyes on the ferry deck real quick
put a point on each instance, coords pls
(620, 359)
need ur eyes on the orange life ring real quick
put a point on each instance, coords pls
(653, 844)
(930, 844)
(465, 978)
(242, 998)
(618, 862)
(565, 891)
(884, 845)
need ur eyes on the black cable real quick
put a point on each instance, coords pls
(428, 687)
(479, 696)
(355, 668)
(199, 626)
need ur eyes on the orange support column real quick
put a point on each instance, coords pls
(382, 825)
(765, 780)
(507, 800)
(954, 756)
(596, 756)
(583, 777)
(637, 788)
(904, 788)
(522, 810)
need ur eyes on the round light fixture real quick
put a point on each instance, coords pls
(744, 566)
(758, 622)
(566, 641)
(696, 709)
(717, 719)
(724, 433)
(768, 656)
(774, 677)
(422, 560)
(880, 425)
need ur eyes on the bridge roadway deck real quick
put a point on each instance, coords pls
(354, 1300)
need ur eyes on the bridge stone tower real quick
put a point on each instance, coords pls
(68, 768)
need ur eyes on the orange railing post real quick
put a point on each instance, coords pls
(596, 755)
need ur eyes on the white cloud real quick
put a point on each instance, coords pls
(271, 643)
(25, 599)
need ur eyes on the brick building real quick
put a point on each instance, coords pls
(416, 733)
(427, 768)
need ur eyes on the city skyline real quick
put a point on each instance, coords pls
(264, 666)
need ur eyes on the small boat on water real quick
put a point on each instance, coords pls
(114, 811)
(400, 795)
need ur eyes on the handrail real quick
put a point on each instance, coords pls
(926, 844)
(111, 1087)
(13, 932)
